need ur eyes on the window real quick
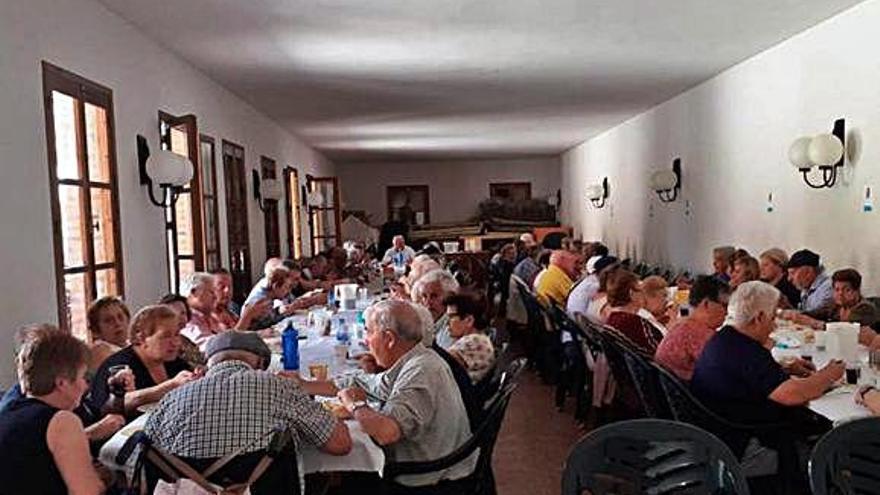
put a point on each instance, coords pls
(294, 221)
(516, 191)
(84, 194)
(210, 202)
(270, 216)
(324, 223)
(183, 224)
(410, 204)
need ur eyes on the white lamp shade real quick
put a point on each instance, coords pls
(798, 153)
(168, 168)
(271, 189)
(663, 180)
(825, 149)
(552, 200)
(595, 192)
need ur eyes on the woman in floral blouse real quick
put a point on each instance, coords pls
(471, 346)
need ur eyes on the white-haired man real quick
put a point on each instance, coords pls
(429, 291)
(422, 415)
(201, 296)
(736, 376)
(399, 253)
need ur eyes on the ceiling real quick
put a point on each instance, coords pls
(367, 80)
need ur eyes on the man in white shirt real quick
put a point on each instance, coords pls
(399, 253)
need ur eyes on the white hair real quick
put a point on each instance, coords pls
(444, 278)
(399, 317)
(193, 281)
(751, 299)
(427, 323)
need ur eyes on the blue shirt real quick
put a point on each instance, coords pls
(735, 375)
(819, 297)
(11, 395)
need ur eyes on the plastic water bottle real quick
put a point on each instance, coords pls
(290, 347)
(342, 336)
(331, 298)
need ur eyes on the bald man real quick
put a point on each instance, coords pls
(559, 278)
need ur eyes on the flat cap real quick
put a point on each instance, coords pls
(234, 340)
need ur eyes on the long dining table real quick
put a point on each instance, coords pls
(314, 348)
(838, 404)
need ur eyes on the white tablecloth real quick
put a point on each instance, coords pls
(838, 405)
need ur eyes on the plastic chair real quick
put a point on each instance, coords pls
(846, 460)
(654, 457)
(482, 480)
(647, 384)
(574, 374)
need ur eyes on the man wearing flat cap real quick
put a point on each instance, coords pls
(817, 291)
(237, 404)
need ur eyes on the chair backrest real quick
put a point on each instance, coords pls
(647, 383)
(466, 388)
(534, 309)
(846, 461)
(652, 456)
(254, 469)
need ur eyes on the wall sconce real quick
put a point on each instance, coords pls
(824, 151)
(166, 169)
(598, 193)
(667, 183)
(266, 190)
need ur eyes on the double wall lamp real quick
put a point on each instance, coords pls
(266, 189)
(170, 171)
(598, 193)
(667, 183)
(824, 151)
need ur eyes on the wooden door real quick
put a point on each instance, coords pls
(270, 216)
(324, 221)
(237, 220)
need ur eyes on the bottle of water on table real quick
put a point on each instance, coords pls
(290, 347)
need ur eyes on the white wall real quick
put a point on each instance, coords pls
(455, 187)
(732, 133)
(83, 37)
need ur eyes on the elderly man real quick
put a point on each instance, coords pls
(421, 415)
(275, 289)
(399, 253)
(201, 296)
(849, 305)
(556, 282)
(238, 405)
(684, 342)
(583, 291)
(226, 310)
(721, 262)
(817, 292)
(429, 291)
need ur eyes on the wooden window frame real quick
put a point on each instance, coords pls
(83, 91)
(409, 187)
(493, 185)
(205, 139)
(194, 189)
(271, 222)
(313, 215)
(294, 199)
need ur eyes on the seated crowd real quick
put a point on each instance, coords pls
(718, 342)
(202, 360)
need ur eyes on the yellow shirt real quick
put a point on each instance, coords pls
(554, 285)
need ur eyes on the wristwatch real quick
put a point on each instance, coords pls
(357, 405)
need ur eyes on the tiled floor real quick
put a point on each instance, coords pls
(534, 441)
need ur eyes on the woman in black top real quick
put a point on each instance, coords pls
(153, 357)
(43, 448)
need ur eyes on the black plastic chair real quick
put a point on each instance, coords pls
(544, 348)
(645, 378)
(655, 457)
(626, 396)
(482, 480)
(574, 375)
(846, 461)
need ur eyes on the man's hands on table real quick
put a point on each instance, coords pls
(799, 367)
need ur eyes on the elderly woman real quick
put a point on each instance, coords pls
(772, 265)
(471, 347)
(108, 319)
(430, 291)
(658, 309)
(625, 299)
(189, 352)
(46, 449)
(745, 269)
(153, 357)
